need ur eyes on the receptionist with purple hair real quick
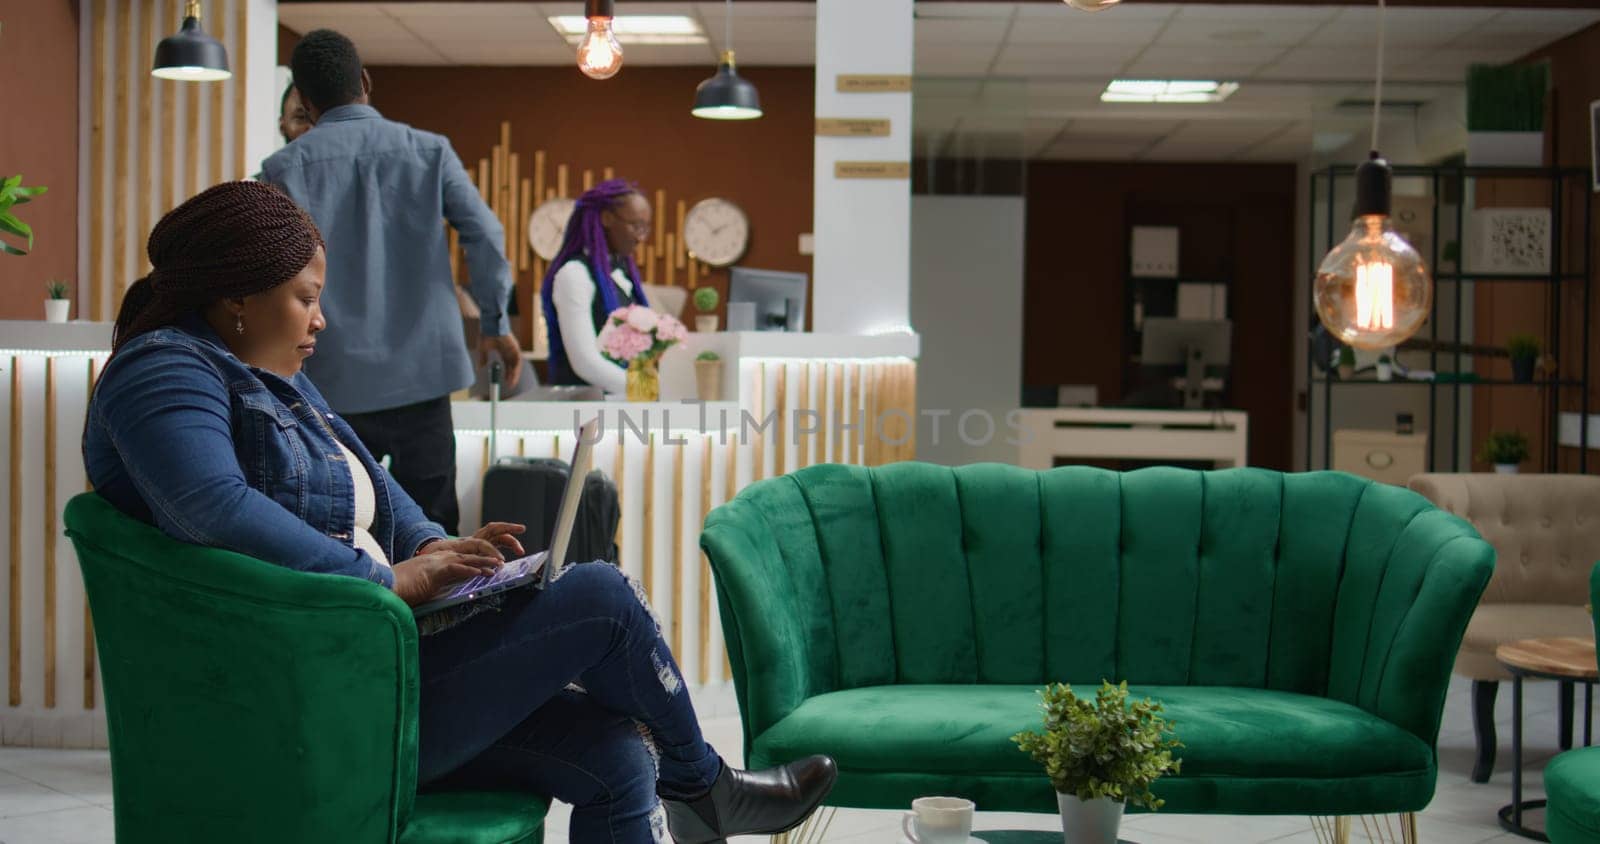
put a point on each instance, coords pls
(592, 275)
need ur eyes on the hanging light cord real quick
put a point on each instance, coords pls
(727, 38)
(1377, 88)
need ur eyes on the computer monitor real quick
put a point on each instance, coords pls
(1195, 347)
(779, 297)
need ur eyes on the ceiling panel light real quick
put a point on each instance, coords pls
(636, 29)
(1167, 91)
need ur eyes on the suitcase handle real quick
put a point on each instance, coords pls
(494, 404)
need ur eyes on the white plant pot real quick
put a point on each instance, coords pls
(57, 310)
(1384, 371)
(705, 324)
(1506, 468)
(1089, 821)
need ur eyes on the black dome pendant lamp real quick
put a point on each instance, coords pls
(191, 55)
(727, 95)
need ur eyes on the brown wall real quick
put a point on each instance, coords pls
(1575, 82)
(1236, 224)
(39, 139)
(638, 123)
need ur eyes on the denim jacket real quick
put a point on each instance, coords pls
(185, 436)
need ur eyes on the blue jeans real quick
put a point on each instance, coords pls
(496, 712)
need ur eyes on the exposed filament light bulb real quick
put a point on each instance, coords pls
(599, 53)
(1373, 291)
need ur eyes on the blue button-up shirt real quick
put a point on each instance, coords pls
(378, 189)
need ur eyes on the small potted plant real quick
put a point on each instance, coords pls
(1505, 450)
(57, 307)
(1384, 368)
(1101, 756)
(636, 337)
(708, 375)
(1347, 363)
(1524, 352)
(705, 301)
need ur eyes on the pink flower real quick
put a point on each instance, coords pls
(622, 343)
(670, 330)
(641, 318)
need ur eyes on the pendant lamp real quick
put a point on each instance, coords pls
(599, 53)
(1372, 291)
(727, 95)
(191, 55)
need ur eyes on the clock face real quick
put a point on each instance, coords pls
(716, 231)
(548, 226)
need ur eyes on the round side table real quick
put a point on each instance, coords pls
(1563, 658)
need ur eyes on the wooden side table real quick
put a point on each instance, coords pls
(1571, 659)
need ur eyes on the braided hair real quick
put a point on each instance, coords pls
(585, 240)
(230, 241)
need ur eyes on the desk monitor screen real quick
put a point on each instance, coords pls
(1196, 347)
(779, 298)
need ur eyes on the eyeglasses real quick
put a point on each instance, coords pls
(637, 226)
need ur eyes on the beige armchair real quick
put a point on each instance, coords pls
(1545, 530)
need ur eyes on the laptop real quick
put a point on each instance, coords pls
(532, 570)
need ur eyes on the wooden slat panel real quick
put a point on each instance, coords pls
(705, 564)
(88, 618)
(121, 160)
(219, 29)
(588, 180)
(561, 180)
(14, 565)
(525, 202)
(145, 195)
(758, 459)
(803, 444)
(49, 533)
(170, 91)
(617, 471)
(649, 555)
(858, 407)
(191, 146)
(780, 447)
(240, 60)
(839, 409)
(676, 534)
(99, 78)
(660, 242)
(680, 255)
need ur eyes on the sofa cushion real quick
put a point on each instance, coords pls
(1572, 784)
(1494, 625)
(1227, 732)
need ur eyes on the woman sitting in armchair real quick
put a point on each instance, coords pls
(203, 425)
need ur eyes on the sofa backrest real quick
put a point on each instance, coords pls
(915, 573)
(1545, 530)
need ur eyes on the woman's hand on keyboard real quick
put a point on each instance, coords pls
(503, 534)
(420, 578)
(473, 546)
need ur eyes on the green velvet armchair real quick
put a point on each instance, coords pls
(1572, 779)
(251, 703)
(1298, 628)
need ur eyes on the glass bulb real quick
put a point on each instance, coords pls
(1092, 5)
(599, 54)
(1373, 291)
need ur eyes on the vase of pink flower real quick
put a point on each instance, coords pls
(636, 337)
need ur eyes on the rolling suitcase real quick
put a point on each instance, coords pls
(527, 491)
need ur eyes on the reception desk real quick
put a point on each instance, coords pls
(787, 401)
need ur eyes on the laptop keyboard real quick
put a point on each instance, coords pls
(512, 569)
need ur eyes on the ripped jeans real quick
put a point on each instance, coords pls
(497, 713)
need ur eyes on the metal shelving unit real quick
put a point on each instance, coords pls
(1566, 186)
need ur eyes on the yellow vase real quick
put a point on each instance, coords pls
(644, 380)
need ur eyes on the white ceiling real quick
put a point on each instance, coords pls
(1024, 79)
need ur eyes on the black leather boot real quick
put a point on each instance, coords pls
(752, 802)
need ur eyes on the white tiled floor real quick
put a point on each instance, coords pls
(64, 796)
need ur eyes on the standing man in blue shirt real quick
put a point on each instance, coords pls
(394, 348)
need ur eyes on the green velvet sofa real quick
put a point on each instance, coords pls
(1298, 628)
(247, 702)
(1572, 779)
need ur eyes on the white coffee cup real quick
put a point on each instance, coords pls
(939, 820)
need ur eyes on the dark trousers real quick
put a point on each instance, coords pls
(420, 442)
(497, 714)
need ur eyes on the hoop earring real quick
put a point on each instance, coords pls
(238, 324)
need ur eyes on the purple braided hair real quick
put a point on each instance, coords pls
(585, 240)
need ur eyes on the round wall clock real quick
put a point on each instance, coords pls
(716, 231)
(548, 225)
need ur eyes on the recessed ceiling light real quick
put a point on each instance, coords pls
(636, 29)
(1167, 91)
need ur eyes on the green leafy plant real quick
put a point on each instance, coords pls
(1384, 359)
(708, 356)
(706, 299)
(1507, 98)
(1107, 747)
(1347, 356)
(13, 193)
(56, 289)
(1503, 447)
(1522, 346)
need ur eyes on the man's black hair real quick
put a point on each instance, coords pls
(327, 69)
